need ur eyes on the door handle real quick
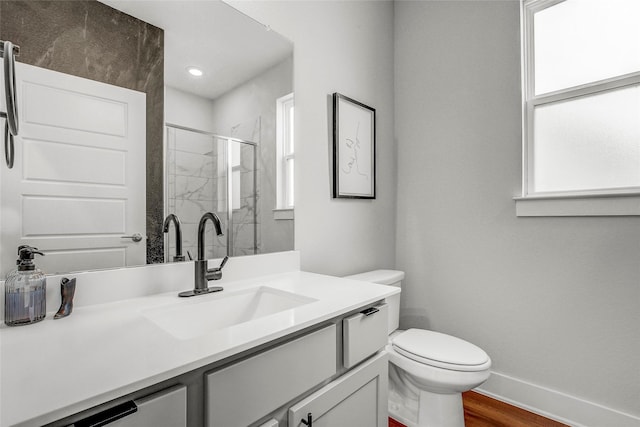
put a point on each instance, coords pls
(136, 237)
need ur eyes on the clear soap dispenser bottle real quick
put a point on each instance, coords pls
(25, 291)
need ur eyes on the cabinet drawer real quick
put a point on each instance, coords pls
(246, 391)
(167, 408)
(364, 334)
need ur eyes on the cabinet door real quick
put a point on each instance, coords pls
(358, 398)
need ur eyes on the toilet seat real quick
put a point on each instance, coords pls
(440, 350)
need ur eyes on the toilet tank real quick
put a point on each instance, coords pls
(385, 277)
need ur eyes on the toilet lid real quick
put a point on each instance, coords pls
(441, 350)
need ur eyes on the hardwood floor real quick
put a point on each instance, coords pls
(483, 411)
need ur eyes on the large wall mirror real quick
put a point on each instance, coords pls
(115, 126)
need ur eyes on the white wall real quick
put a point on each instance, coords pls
(249, 112)
(346, 47)
(185, 109)
(554, 301)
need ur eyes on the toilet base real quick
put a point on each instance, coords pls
(428, 410)
(441, 410)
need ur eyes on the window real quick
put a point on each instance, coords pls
(236, 182)
(581, 90)
(285, 153)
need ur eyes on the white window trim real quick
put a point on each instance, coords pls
(282, 202)
(283, 214)
(596, 202)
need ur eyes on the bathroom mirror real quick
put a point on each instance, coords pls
(211, 141)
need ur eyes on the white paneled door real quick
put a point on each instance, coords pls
(78, 183)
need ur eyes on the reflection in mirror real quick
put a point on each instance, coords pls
(202, 170)
(205, 143)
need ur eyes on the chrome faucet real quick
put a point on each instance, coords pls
(202, 271)
(176, 222)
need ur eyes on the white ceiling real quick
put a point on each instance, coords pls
(227, 45)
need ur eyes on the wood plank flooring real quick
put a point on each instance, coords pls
(483, 411)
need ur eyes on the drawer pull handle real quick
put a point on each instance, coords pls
(369, 311)
(108, 415)
(308, 421)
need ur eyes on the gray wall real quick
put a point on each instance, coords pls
(239, 113)
(554, 301)
(346, 47)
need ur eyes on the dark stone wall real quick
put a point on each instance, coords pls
(91, 40)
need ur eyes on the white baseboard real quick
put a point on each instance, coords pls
(555, 405)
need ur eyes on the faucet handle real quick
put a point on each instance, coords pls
(216, 272)
(219, 268)
(224, 261)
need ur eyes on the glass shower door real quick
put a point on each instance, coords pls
(210, 173)
(242, 164)
(195, 177)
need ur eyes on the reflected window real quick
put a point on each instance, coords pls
(285, 154)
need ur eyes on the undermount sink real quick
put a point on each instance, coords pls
(189, 319)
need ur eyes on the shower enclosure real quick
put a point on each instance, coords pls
(205, 172)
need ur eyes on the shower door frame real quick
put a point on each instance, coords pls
(229, 183)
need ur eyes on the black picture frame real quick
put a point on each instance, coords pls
(354, 149)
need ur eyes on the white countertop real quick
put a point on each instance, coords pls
(56, 368)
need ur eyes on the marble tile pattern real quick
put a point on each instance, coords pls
(246, 236)
(193, 178)
(196, 183)
(89, 39)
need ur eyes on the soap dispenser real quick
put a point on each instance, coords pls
(25, 291)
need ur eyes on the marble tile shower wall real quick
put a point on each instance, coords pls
(246, 225)
(196, 183)
(192, 188)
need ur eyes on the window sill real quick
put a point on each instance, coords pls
(583, 205)
(282, 214)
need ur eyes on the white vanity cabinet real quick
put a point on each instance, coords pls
(333, 374)
(167, 408)
(358, 398)
(242, 393)
(364, 333)
(344, 356)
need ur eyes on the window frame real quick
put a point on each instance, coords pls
(590, 202)
(284, 132)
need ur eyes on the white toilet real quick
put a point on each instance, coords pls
(428, 370)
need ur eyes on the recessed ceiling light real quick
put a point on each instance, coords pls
(194, 71)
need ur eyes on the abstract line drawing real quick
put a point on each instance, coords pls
(353, 149)
(352, 164)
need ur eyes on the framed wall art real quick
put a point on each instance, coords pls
(354, 149)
